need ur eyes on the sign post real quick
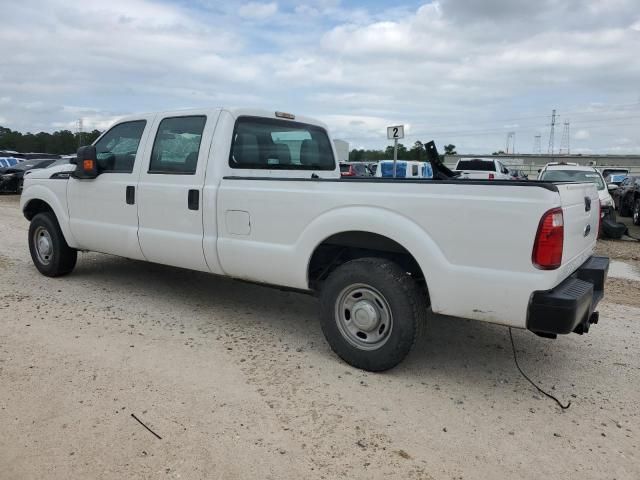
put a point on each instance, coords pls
(396, 132)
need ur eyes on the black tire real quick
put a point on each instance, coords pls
(54, 257)
(636, 212)
(393, 295)
(624, 210)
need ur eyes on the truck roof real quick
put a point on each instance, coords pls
(234, 111)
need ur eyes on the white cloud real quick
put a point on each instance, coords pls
(582, 135)
(258, 10)
(457, 71)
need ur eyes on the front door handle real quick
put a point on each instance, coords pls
(193, 199)
(131, 195)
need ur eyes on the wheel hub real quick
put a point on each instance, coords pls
(44, 245)
(365, 315)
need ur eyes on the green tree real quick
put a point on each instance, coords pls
(450, 149)
(60, 142)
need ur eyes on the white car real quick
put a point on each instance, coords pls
(563, 172)
(258, 196)
(482, 168)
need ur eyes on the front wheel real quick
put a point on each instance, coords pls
(636, 212)
(49, 250)
(372, 312)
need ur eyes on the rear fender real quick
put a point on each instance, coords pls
(372, 220)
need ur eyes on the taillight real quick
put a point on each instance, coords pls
(491, 176)
(547, 249)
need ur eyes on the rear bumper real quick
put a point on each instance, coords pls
(570, 306)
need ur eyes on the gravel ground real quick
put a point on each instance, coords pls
(239, 383)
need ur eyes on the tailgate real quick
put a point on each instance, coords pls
(581, 211)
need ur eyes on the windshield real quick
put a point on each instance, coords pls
(477, 164)
(573, 176)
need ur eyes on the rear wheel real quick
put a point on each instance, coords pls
(636, 212)
(49, 250)
(372, 312)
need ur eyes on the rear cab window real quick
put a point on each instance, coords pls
(264, 143)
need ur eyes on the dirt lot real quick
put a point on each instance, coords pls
(239, 383)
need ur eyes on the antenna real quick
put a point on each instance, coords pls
(537, 147)
(565, 142)
(551, 133)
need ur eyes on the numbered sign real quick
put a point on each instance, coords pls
(396, 132)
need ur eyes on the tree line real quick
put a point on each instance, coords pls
(61, 142)
(416, 152)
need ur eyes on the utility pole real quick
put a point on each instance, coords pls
(79, 132)
(551, 133)
(565, 142)
(511, 140)
(537, 147)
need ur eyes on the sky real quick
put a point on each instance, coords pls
(465, 72)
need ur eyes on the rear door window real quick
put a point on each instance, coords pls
(177, 145)
(263, 143)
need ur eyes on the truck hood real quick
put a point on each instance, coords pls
(42, 173)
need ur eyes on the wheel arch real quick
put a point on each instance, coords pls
(383, 233)
(37, 199)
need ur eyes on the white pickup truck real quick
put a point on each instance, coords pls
(482, 169)
(258, 196)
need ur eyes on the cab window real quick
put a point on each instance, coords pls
(177, 145)
(280, 144)
(116, 150)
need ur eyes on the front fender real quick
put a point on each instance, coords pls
(56, 200)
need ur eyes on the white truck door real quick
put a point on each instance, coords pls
(170, 190)
(103, 214)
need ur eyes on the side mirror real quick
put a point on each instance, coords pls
(612, 186)
(86, 163)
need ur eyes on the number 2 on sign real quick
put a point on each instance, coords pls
(395, 132)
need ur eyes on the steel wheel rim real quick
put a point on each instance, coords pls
(43, 245)
(363, 316)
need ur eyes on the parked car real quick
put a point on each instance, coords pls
(194, 189)
(354, 169)
(627, 198)
(561, 172)
(12, 178)
(517, 174)
(6, 162)
(404, 169)
(615, 178)
(482, 169)
(614, 171)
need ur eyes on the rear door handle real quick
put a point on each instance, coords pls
(131, 195)
(193, 199)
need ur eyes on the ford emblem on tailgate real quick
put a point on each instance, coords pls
(587, 204)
